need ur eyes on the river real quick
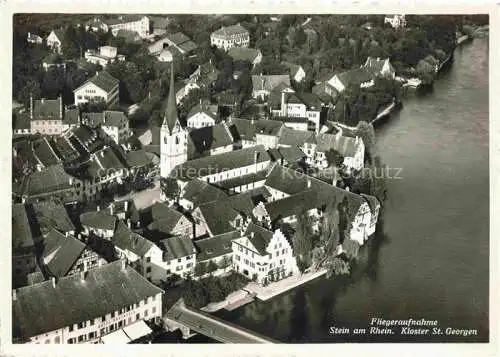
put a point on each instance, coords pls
(433, 261)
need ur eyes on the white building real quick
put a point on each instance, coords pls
(262, 255)
(297, 73)
(264, 84)
(396, 21)
(100, 223)
(231, 36)
(135, 23)
(106, 55)
(95, 24)
(304, 105)
(103, 87)
(113, 123)
(173, 137)
(84, 308)
(34, 38)
(55, 40)
(49, 117)
(200, 116)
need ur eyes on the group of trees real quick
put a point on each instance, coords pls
(199, 293)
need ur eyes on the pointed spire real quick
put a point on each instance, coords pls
(170, 116)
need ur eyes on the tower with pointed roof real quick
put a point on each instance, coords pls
(173, 140)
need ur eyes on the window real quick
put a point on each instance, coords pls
(148, 260)
(137, 316)
(80, 338)
(70, 341)
(120, 324)
(92, 335)
(169, 271)
(179, 260)
(148, 270)
(81, 325)
(179, 268)
(92, 322)
(112, 327)
(71, 328)
(237, 257)
(189, 265)
(176, 140)
(154, 309)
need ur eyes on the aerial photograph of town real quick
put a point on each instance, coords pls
(269, 178)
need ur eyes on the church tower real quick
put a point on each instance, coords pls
(173, 138)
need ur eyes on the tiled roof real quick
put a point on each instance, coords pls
(124, 19)
(103, 80)
(126, 239)
(374, 65)
(242, 203)
(22, 236)
(164, 218)
(220, 163)
(208, 138)
(102, 160)
(294, 204)
(44, 152)
(51, 214)
(213, 247)
(160, 22)
(59, 253)
(198, 192)
(294, 68)
(178, 38)
(21, 121)
(187, 46)
(98, 219)
(47, 109)
(217, 215)
(243, 54)
(325, 92)
(291, 154)
(202, 108)
(230, 31)
(297, 138)
(71, 116)
(139, 158)
(355, 76)
(269, 82)
(177, 247)
(60, 34)
(42, 308)
(259, 237)
(268, 127)
(372, 201)
(242, 180)
(114, 118)
(50, 179)
(242, 129)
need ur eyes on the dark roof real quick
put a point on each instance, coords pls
(290, 119)
(355, 76)
(188, 46)
(216, 246)
(242, 129)
(22, 236)
(103, 160)
(269, 82)
(42, 308)
(297, 138)
(325, 92)
(59, 253)
(60, 34)
(170, 117)
(164, 218)
(293, 204)
(177, 247)
(217, 216)
(198, 192)
(230, 30)
(259, 237)
(44, 152)
(243, 203)
(208, 138)
(71, 116)
(98, 219)
(103, 80)
(21, 121)
(114, 118)
(51, 214)
(291, 154)
(242, 180)
(202, 108)
(294, 68)
(126, 239)
(220, 163)
(139, 158)
(124, 19)
(372, 201)
(159, 22)
(268, 127)
(47, 109)
(49, 179)
(243, 54)
(178, 38)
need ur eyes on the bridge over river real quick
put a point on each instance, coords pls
(191, 321)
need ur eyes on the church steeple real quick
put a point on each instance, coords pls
(170, 117)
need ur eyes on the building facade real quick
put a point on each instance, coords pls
(231, 36)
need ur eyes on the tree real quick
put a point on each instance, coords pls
(200, 269)
(170, 188)
(211, 267)
(225, 262)
(367, 133)
(302, 239)
(334, 158)
(338, 266)
(350, 248)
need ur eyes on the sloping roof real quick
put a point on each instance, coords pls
(71, 116)
(355, 76)
(268, 127)
(51, 214)
(47, 109)
(178, 38)
(60, 34)
(374, 65)
(188, 46)
(269, 82)
(259, 237)
(114, 118)
(103, 160)
(164, 217)
(241, 180)
(294, 204)
(208, 138)
(49, 179)
(198, 192)
(22, 236)
(125, 239)
(21, 121)
(202, 108)
(216, 246)
(291, 154)
(140, 158)
(297, 138)
(170, 117)
(42, 308)
(217, 215)
(59, 253)
(372, 201)
(346, 146)
(220, 163)
(160, 22)
(230, 30)
(243, 202)
(103, 80)
(177, 247)
(244, 53)
(98, 219)
(325, 92)
(294, 68)
(44, 152)
(242, 129)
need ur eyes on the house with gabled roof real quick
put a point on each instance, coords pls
(55, 40)
(113, 123)
(218, 250)
(33, 38)
(230, 36)
(99, 223)
(23, 246)
(63, 255)
(133, 23)
(50, 117)
(201, 116)
(170, 221)
(359, 77)
(251, 55)
(216, 217)
(264, 84)
(197, 192)
(50, 214)
(85, 307)
(209, 140)
(263, 255)
(102, 87)
(380, 67)
(297, 73)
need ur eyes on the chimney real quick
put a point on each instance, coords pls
(71, 181)
(124, 264)
(83, 275)
(31, 106)
(29, 34)
(111, 208)
(14, 294)
(66, 234)
(53, 279)
(308, 182)
(252, 234)
(125, 206)
(128, 223)
(283, 104)
(98, 208)
(42, 100)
